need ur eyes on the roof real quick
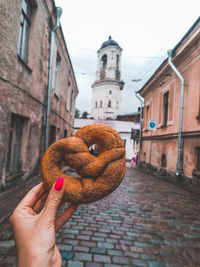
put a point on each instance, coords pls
(187, 34)
(119, 126)
(109, 42)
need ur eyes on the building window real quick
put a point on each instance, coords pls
(124, 142)
(198, 158)
(163, 160)
(166, 106)
(72, 102)
(24, 30)
(57, 70)
(67, 100)
(14, 145)
(147, 116)
(198, 115)
(110, 92)
(109, 103)
(100, 104)
(65, 133)
(96, 105)
(57, 134)
(52, 134)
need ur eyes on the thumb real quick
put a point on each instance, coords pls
(54, 199)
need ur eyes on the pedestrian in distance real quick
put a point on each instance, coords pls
(134, 159)
(35, 225)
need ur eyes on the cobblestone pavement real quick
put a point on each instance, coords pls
(145, 222)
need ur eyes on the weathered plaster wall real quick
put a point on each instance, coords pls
(23, 86)
(165, 137)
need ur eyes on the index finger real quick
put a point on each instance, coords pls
(33, 195)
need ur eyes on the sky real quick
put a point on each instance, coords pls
(144, 29)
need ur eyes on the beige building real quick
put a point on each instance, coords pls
(37, 85)
(172, 105)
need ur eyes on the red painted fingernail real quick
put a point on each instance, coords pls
(59, 184)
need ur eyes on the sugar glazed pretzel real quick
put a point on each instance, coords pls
(99, 176)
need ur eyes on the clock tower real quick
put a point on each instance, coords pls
(106, 95)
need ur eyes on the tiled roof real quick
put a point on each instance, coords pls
(119, 126)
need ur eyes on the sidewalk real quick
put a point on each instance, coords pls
(144, 222)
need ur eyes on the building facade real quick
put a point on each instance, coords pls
(173, 103)
(106, 94)
(36, 74)
(134, 117)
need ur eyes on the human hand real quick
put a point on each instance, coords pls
(35, 230)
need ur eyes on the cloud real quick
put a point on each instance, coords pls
(144, 29)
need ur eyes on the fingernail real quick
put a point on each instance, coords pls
(59, 184)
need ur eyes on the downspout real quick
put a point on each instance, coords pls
(140, 134)
(52, 40)
(169, 52)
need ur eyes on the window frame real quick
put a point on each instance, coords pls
(24, 30)
(104, 60)
(165, 108)
(72, 102)
(56, 79)
(67, 95)
(16, 130)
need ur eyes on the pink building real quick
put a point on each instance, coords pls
(173, 148)
(37, 85)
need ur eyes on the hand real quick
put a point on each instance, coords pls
(34, 230)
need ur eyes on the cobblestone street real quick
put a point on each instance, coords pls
(145, 222)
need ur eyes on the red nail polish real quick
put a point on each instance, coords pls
(59, 184)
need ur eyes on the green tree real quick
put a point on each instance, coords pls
(77, 113)
(84, 115)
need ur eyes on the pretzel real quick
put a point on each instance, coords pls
(99, 176)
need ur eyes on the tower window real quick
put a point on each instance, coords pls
(110, 92)
(109, 104)
(100, 104)
(96, 105)
(104, 62)
(117, 62)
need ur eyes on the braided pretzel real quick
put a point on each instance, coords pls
(99, 176)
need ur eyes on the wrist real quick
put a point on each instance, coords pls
(25, 260)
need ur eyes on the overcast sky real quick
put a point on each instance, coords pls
(144, 29)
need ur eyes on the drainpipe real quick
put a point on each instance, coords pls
(52, 40)
(140, 134)
(169, 52)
